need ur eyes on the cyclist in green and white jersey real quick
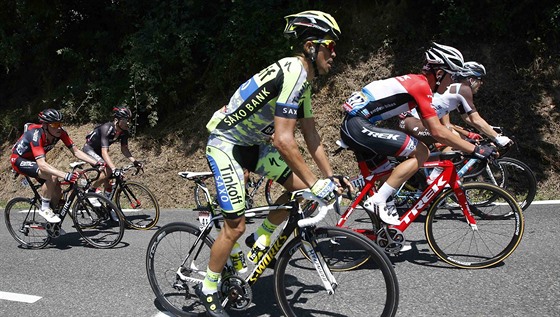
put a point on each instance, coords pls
(256, 131)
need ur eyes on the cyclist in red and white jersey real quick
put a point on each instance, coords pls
(383, 99)
(458, 96)
(29, 158)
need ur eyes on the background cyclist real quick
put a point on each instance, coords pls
(100, 139)
(384, 99)
(458, 96)
(29, 158)
(270, 103)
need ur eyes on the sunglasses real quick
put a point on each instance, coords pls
(330, 44)
(55, 125)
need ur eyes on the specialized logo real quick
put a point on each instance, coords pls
(268, 258)
(380, 135)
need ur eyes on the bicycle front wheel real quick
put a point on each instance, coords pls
(370, 290)
(488, 243)
(98, 220)
(515, 177)
(25, 224)
(138, 205)
(272, 191)
(173, 271)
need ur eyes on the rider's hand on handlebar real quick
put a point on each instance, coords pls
(503, 141)
(324, 189)
(483, 152)
(117, 172)
(71, 177)
(474, 136)
(100, 165)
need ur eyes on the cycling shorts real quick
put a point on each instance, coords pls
(91, 152)
(24, 166)
(227, 161)
(414, 127)
(374, 144)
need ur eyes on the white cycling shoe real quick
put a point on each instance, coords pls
(387, 212)
(49, 215)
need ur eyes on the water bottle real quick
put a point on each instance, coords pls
(259, 248)
(238, 259)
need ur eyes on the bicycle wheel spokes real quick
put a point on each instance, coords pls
(138, 205)
(25, 224)
(166, 254)
(370, 290)
(493, 239)
(100, 224)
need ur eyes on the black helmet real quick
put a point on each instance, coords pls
(311, 25)
(122, 112)
(50, 115)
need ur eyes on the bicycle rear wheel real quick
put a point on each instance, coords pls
(101, 227)
(370, 290)
(492, 240)
(138, 205)
(165, 259)
(25, 224)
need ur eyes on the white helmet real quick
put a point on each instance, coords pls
(472, 69)
(444, 57)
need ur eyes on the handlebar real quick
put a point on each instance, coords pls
(323, 209)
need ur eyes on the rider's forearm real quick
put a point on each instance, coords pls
(48, 169)
(83, 156)
(481, 125)
(447, 137)
(291, 155)
(317, 151)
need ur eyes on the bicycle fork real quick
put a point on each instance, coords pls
(329, 281)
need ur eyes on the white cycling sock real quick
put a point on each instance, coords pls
(45, 203)
(383, 194)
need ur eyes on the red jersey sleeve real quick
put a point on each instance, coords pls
(422, 93)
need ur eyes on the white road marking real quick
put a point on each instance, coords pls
(19, 297)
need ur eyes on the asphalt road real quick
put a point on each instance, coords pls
(72, 279)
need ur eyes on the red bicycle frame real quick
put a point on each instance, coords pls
(447, 177)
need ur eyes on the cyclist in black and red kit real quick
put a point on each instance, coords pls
(99, 140)
(383, 99)
(29, 158)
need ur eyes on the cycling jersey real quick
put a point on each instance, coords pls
(280, 90)
(104, 135)
(33, 145)
(240, 132)
(383, 99)
(450, 100)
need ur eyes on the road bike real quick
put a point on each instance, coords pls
(305, 281)
(137, 203)
(202, 192)
(471, 225)
(96, 225)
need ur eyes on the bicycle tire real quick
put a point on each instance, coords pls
(25, 224)
(138, 205)
(165, 255)
(494, 238)
(298, 288)
(360, 221)
(272, 191)
(517, 178)
(96, 224)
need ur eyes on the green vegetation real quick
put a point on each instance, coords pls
(175, 61)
